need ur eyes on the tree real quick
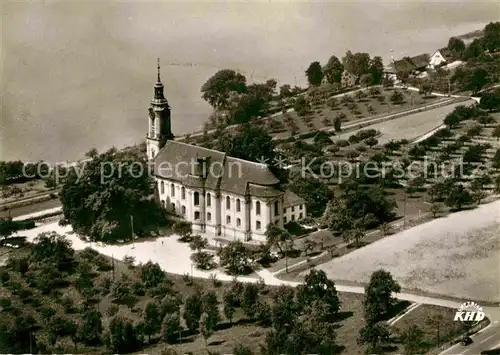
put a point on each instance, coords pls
(152, 320)
(397, 98)
(486, 120)
(53, 249)
(317, 287)
(333, 70)
(101, 199)
(184, 229)
(356, 234)
(216, 91)
(151, 274)
(251, 142)
(206, 328)
(249, 299)
(426, 89)
(285, 91)
(170, 328)
(377, 70)
(372, 141)
(458, 197)
(357, 64)
(373, 335)
(198, 243)
(490, 101)
(337, 124)
(477, 188)
(491, 37)
(366, 80)
(474, 49)
(496, 160)
(496, 132)
(314, 73)
(316, 193)
(412, 339)
(378, 295)
(242, 350)
(121, 336)
(456, 46)
(452, 120)
(192, 311)
(210, 306)
(235, 257)
(301, 106)
(276, 236)
(478, 79)
(229, 300)
(435, 209)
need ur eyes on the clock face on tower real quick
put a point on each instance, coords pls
(151, 113)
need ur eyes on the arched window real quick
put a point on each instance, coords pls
(183, 193)
(172, 189)
(276, 208)
(228, 203)
(183, 209)
(238, 205)
(163, 204)
(196, 198)
(162, 187)
(257, 225)
(257, 207)
(209, 200)
(209, 216)
(228, 219)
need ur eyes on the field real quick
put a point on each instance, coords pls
(321, 116)
(409, 127)
(445, 256)
(226, 336)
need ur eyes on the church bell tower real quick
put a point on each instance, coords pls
(159, 120)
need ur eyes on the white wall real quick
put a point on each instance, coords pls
(247, 214)
(297, 213)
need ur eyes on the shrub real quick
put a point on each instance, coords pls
(342, 143)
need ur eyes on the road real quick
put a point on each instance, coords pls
(486, 339)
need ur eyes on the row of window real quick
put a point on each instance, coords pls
(196, 199)
(209, 217)
(293, 218)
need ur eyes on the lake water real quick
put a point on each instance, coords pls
(78, 75)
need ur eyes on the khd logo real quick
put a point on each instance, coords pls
(469, 313)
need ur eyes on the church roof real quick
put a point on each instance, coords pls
(180, 162)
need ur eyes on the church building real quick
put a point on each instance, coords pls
(219, 194)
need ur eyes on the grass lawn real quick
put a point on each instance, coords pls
(445, 256)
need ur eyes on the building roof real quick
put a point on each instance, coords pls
(411, 63)
(446, 53)
(292, 199)
(183, 162)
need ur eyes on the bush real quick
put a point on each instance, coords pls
(342, 143)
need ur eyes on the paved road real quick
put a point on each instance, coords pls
(487, 339)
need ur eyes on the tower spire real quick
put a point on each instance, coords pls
(158, 60)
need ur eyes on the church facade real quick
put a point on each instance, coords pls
(218, 194)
